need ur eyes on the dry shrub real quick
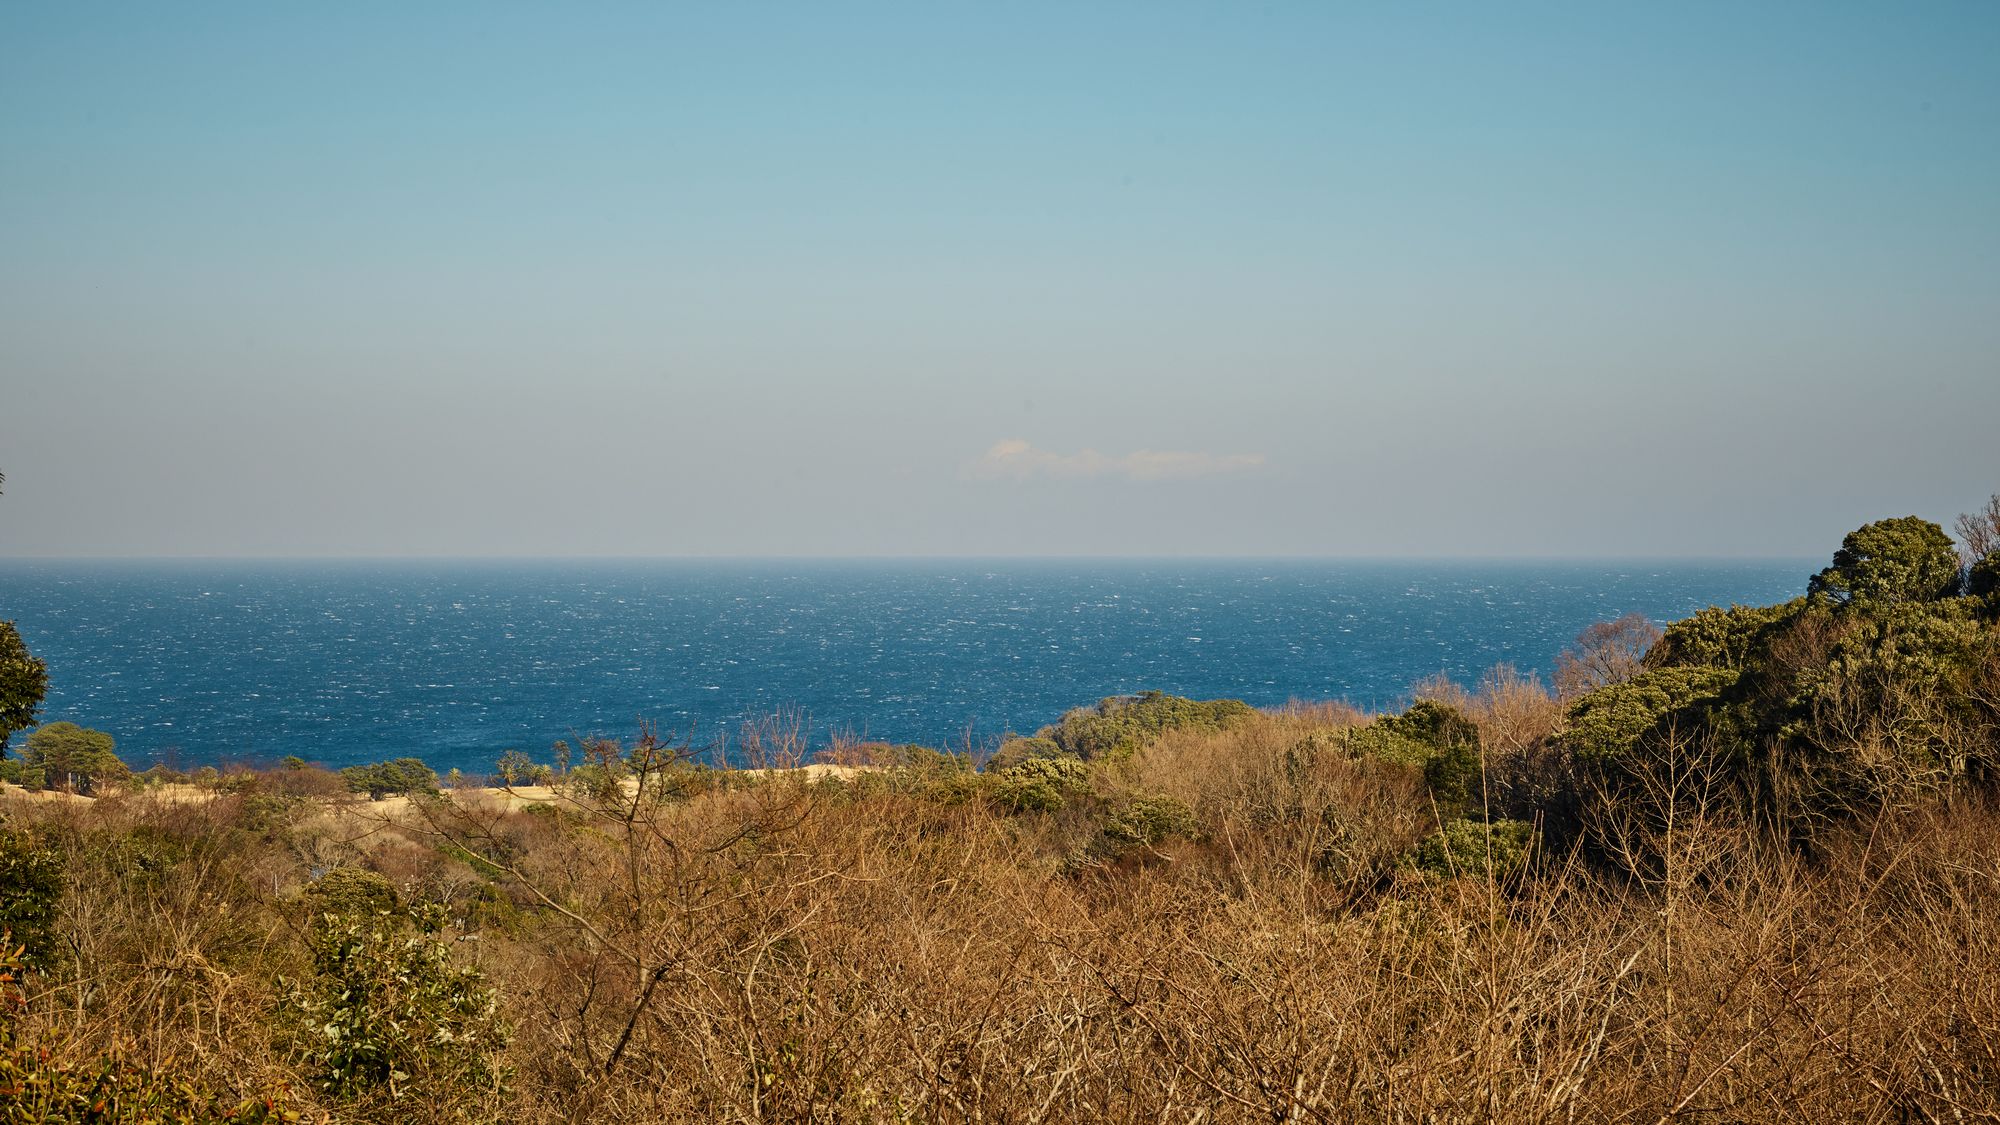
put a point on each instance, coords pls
(796, 950)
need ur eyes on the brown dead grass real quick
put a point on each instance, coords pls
(844, 948)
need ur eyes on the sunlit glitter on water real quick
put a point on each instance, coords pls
(457, 661)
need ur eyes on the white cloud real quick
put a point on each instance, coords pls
(1016, 459)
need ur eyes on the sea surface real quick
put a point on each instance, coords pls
(205, 662)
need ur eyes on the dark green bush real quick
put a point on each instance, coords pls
(352, 892)
(1121, 724)
(1014, 751)
(1147, 819)
(24, 680)
(1439, 726)
(31, 885)
(1983, 579)
(1041, 784)
(1721, 638)
(1475, 848)
(1606, 723)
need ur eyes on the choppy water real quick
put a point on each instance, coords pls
(457, 661)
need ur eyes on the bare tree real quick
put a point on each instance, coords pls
(1608, 652)
(1979, 532)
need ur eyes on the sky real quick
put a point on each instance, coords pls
(380, 279)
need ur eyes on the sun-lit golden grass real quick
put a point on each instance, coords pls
(884, 947)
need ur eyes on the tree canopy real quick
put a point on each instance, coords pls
(24, 680)
(1906, 559)
(68, 756)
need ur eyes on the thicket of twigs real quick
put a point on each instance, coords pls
(900, 945)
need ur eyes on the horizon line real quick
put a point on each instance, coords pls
(762, 558)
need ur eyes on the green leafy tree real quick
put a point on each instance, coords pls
(392, 778)
(24, 680)
(68, 756)
(1906, 559)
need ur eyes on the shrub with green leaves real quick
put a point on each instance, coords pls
(352, 892)
(1121, 724)
(31, 884)
(388, 1016)
(1607, 723)
(1146, 819)
(1476, 848)
(1041, 784)
(1014, 751)
(1722, 638)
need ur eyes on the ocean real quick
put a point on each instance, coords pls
(207, 662)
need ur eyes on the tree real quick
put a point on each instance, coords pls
(24, 680)
(73, 757)
(1984, 577)
(1606, 653)
(1979, 532)
(1889, 562)
(394, 778)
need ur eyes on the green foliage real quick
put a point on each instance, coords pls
(1893, 712)
(1148, 818)
(1895, 560)
(1721, 638)
(1014, 751)
(384, 779)
(1041, 784)
(1122, 724)
(1607, 723)
(1412, 738)
(24, 680)
(387, 1015)
(1377, 740)
(352, 892)
(31, 887)
(517, 768)
(1476, 848)
(1453, 776)
(1439, 726)
(1430, 736)
(1983, 579)
(68, 756)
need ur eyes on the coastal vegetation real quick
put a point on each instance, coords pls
(1742, 867)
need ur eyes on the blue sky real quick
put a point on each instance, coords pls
(838, 279)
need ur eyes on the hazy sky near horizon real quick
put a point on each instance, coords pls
(861, 279)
